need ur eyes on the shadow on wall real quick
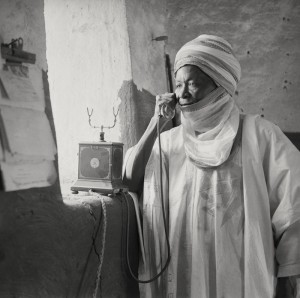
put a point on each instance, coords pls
(49, 114)
(136, 110)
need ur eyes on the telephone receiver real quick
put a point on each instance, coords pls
(167, 111)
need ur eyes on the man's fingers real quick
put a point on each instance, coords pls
(164, 98)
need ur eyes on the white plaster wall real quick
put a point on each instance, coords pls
(88, 58)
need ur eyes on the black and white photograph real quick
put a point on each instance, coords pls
(150, 149)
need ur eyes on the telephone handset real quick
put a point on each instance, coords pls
(167, 110)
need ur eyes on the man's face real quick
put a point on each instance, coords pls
(192, 85)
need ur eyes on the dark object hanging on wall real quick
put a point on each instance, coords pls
(168, 73)
(160, 38)
(13, 53)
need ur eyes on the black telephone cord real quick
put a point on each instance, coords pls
(164, 220)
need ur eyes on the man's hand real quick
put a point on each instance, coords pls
(166, 99)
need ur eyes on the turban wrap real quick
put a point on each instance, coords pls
(214, 56)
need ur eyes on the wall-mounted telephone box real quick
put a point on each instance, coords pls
(100, 167)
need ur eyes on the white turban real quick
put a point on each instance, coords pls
(214, 56)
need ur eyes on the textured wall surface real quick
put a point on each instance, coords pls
(146, 20)
(88, 57)
(265, 35)
(49, 247)
(120, 34)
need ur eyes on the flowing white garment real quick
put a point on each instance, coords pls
(222, 220)
(205, 216)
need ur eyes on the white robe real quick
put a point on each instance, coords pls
(223, 237)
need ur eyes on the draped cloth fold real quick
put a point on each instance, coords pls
(209, 131)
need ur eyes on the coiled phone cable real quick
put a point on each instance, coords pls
(164, 220)
(103, 238)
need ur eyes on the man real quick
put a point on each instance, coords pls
(231, 188)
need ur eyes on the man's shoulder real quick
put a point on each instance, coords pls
(261, 133)
(258, 123)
